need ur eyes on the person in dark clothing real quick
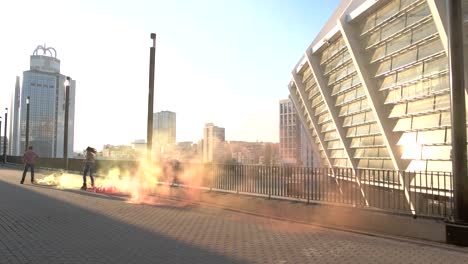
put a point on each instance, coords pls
(89, 166)
(29, 160)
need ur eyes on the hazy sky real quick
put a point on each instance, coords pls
(225, 62)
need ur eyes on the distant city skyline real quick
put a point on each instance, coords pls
(222, 62)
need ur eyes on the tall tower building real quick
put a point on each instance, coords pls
(13, 147)
(295, 146)
(289, 133)
(213, 139)
(164, 131)
(45, 86)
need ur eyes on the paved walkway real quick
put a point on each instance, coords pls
(41, 224)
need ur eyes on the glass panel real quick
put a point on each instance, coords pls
(417, 165)
(393, 96)
(343, 110)
(383, 153)
(442, 102)
(337, 153)
(420, 106)
(368, 23)
(323, 118)
(424, 31)
(328, 127)
(372, 152)
(417, 14)
(354, 142)
(360, 92)
(374, 129)
(324, 56)
(351, 132)
(354, 107)
(383, 67)
(398, 110)
(370, 117)
(378, 53)
(403, 125)
(307, 74)
(334, 144)
(431, 137)
(388, 165)
(439, 166)
(359, 153)
(393, 28)
(411, 74)
(346, 84)
(427, 121)
(408, 139)
(349, 96)
(405, 3)
(386, 82)
(348, 121)
(378, 140)
(373, 38)
(430, 49)
(358, 119)
(362, 130)
(386, 12)
(435, 66)
(339, 99)
(330, 136)
(398, 43)
(375, 164)
(439, 83)
(363, 163)
(404, 59)
(446, 119)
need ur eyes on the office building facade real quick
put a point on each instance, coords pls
(295, 146)
(45, 86)
(164, 132)
(373, 87)
(213, 143)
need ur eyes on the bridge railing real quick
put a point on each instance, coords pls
(422, 193)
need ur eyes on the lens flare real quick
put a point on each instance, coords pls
(145, 185)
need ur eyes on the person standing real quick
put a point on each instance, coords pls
(89, 166)
(29, 160)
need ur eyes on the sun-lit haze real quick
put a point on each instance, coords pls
(225, 62)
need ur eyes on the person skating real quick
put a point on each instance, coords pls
(89, 166)
(29, 160)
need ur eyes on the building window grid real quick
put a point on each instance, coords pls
(423, 77)
(371, 24)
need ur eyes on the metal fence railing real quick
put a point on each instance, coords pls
(414, 193)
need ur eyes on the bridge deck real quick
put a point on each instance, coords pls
(42, 224)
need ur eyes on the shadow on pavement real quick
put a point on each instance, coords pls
(41, 229)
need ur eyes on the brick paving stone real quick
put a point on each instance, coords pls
(41, 224)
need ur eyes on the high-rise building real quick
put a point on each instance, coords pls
(290, 145)
(14, 147)
(164, 131)
(295, 146)
(213, 140)
(45, 86)
(372, 89)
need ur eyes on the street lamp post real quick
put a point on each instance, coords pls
(65, 135)
(5, 137)
(457, 231)
(149, 131)
(27, 123)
